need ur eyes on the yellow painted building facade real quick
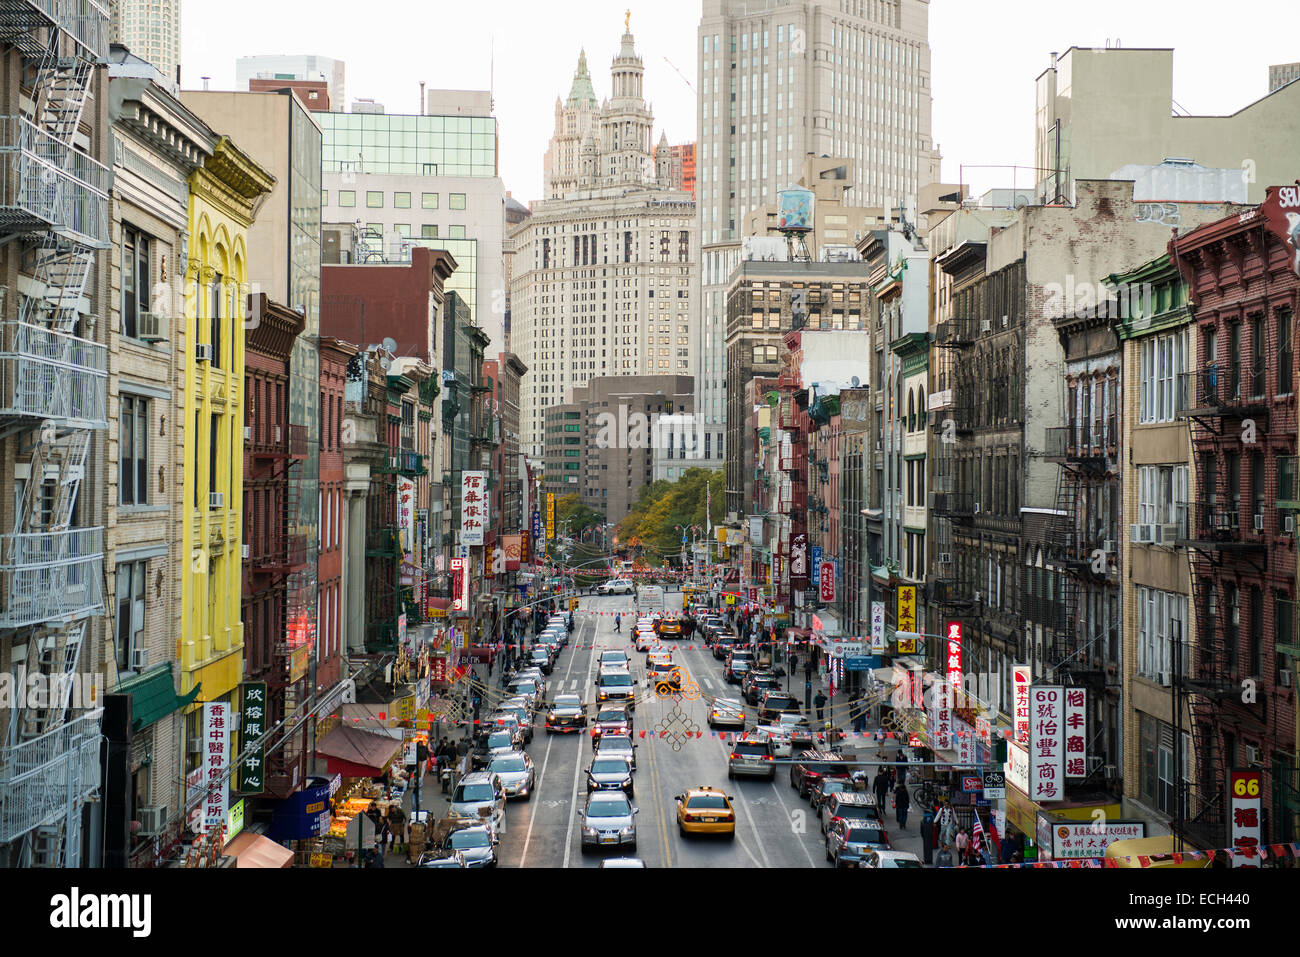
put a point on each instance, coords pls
(223, 200)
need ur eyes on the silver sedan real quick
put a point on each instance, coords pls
(515, 770)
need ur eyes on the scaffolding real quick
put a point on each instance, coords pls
(54, 216)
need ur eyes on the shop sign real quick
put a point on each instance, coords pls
(1020, 677)
(514, 551)
(216, 761)
(877, 626)
(406, 512)
(1076, 839)
(815, 556)
(1017, 766)
(1245, 797)
(826, 578)
(1076, 727)
(473, 507)
(550, 516)
(971, 783)
(252, 723)
(953, 660)
(460, 584)
(963, 738)
(537, 526)
(939, 716)
(235, 820)
(401, 627)
(906, 608)
(1046, 743)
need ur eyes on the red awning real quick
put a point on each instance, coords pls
(354, 753)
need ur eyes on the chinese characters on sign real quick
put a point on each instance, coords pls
(799, 561)
(1245, 789)
(877, 627)
(907, 608)
(1046, 743)
(826, 578)
(1090, 839)
(1020, 678)
(1076, 730)
(537, 529)
(550, 516)
(406, 513)
(940, 716)
(952, 667)
(473, 507)
(459, 584)
(216, 758)
(252, 725)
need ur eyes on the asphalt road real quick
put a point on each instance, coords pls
(775, 828)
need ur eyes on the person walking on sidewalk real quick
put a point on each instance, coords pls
(961, 842)
(881, 786)
(819, 703)
(944, 857)
(902, 801)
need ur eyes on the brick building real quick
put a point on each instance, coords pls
(334, 357)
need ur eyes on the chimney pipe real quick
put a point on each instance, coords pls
(205, 82)
(422, 98)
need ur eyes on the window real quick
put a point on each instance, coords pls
(1162, 618)
(133, 452)
(428, 232)
(428, 200)
(1162, 496)
(347, 198)
(401, 200)
(456, 232)
(135, 280)
(130, 610)
(456, 200)
(374, 199)
(1257, 345)
(403, 230)
(215, 315)
(1163, 359)
(1285, 362)
(324, 197)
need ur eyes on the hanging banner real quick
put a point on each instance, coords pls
(473, 507)
(514, 551)
(826, 578)
(1020, 679)
(216, 761)
(939, 716)
(459, 584)
(1046, 743)
(878, 627)
(537, 530)
(1076, 729)
(524, 552)
(1245, 797)
(406, 514)
(907, 608)
(550, 516)
(252, 725)
(799, 561)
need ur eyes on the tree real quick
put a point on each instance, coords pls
(663, 505)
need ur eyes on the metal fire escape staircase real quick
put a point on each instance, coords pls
(53, 377)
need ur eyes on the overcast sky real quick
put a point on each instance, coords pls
(986, 55)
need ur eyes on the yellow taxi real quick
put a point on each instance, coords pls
(705, 810)
(671, 626)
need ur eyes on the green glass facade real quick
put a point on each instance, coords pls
(409, 145)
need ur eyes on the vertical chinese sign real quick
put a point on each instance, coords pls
(252, 725)
(473, 507)
(939, 714)
(1046, 743)
(826, 578)
(1076, 733)
(907, 608)
(1245, 790)
(877, 627)
(216, 762)
(1020, 678)
(550, 516)
(952, 659)
(459, 585)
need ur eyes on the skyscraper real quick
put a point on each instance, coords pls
(778, 82)
(606, 265)
(151, 29)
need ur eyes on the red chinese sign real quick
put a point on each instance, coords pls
(473, 507)
(953, 667)
(826, 578)
(1245, 797)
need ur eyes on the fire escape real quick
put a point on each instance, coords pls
(952, 507)
(1216, 407)
(53, 392)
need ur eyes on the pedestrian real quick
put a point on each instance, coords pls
(927, 836)
(860, 716)
(819, 703)
(944, 857)
(902, 802)
(618, 623)
(961, 843)
(809, 668)
(881, 786)
(397, 819)
(794, 662)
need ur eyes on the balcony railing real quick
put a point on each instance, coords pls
(47, 185)
(86, 21)
(954, 504)
(40, 778)
(51, 575)
(1082, 443)
(52, 375)
(1218, 390)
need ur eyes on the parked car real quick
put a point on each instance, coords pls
(622, 862)
(848, 806)
(779, 737)
(896, 860)
(491, 742)
(614, 659)
(542, 657)
(752, 755)
(775, 703)
(476, 844)
(723, 644)
(608, 819)
(526, 688)
(850, 844)
(479, 797)
(823, 789)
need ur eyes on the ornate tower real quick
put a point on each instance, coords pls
(575, 117)
(626, 122)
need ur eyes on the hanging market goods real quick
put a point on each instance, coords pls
(677, 727)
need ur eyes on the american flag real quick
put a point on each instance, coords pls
(977, 833)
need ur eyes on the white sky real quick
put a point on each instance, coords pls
(985, 55)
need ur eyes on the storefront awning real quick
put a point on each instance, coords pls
(254, 850)
(153, 696)
(354, 753)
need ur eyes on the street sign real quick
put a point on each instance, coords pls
(857, 663)
(970, 783)
(995, 785)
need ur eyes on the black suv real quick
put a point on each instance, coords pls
(775, 703)
(811, 766)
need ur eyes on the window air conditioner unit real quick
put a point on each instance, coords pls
(216, 500)
(1141, 534)
(153, 819)
(139, 659)
(203, 352)
(1169, 534)
(150, 326)
(244, 550)
(1005, 320)
(1259, 523)
(977, 508)
(248, 433)
(1288, 524)
(277, 433)
(978, 595)
(1108, 546)
(986, 325)
(1252, 754)
(1284, 677)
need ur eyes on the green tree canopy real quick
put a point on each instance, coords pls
(650, 528)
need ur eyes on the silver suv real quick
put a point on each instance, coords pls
(481, 798)
(752, 755)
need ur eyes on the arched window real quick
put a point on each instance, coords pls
(922, 412)
(911, 410)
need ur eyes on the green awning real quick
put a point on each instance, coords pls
(153, 696)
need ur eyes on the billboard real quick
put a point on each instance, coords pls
(473, 507)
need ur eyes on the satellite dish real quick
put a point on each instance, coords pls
(390, 345)
(385, 362)
(856, 382)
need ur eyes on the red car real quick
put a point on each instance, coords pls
(812, 766)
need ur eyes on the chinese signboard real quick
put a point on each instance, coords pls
(473, 507)
(877, 626)
(826, 578)
(1046, 743)
(537, 528)
(252, 725)
(907, 608)
(216, 760)
(1245, 790)
(1074, 839)
(406, 513)
(963, 738)
(459, 584)
(1020, 678)
(514, 551)
(799, 561)
(550, 516)
(952, 668)
(939, 716)
(1076, 729)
